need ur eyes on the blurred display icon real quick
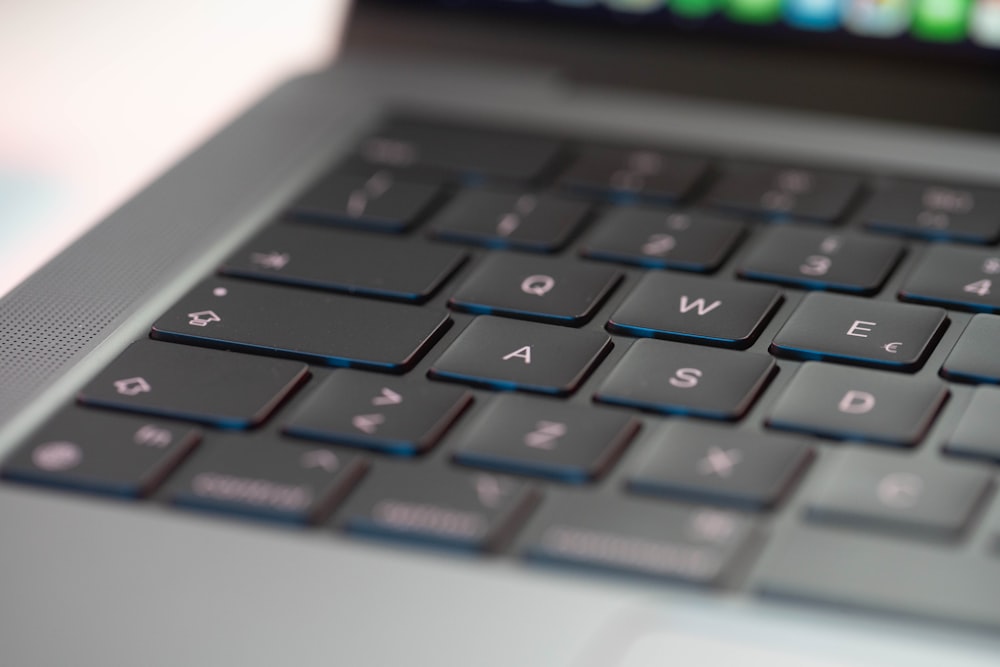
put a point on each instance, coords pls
(878, 18)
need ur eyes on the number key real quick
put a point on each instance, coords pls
(962, 278)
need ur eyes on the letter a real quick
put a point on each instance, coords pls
(856, 402)
(522, 353)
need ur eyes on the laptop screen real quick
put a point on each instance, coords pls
(962, 29)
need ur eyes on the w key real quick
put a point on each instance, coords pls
(696, 309)
(858, 331)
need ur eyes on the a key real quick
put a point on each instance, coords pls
(861, 570)
(525, 356)
(556, 291)
(718, 465)
(696, 310)
(857, 404)
(474, 153)
(978, 435)
(974, 357)
(934, 211)
(695, 545)
(546, 438)
(857, 331)
(302, 324)
(103, 453)
(343, 261)
(223, 389)
(690, 241)
(677, 378)
(440, 507)
(271, 480)
(954, 277)
(390, 415)
(819, 259)
(623, 174)
(375, 201)
(535, 222)
(897, 493)
(784, 192)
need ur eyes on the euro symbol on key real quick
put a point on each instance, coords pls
(538, 285)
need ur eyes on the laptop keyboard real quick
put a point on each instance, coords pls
(597, 356)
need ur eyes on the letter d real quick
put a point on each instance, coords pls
(856, 402)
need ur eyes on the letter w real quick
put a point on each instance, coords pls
(699, 303)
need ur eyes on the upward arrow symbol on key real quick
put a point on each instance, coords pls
(387, 397)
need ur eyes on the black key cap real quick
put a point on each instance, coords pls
(556, 440)
(473, 152)
(978, 432)
(270, 480)
(784, 192)
(474, 512)
(961, 278)
(553, 291)
(378, 201)
(695, 545)
(818, 259)
(974, 357)
(622, 174)
(712, 464)
(222, 389)
(854, 404)
(508, 354)
(540, 223)
(300, 324)
(346, 262)
(684, 379)
(391, 415)
(697, 310)
(691, 241)
(892, 492)
(101, 453)
(935, 212)
(857, 331)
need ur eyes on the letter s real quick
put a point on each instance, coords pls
(685, 378)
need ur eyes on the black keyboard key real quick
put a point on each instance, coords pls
(301, 324)
(346, 262)
(101, 453)
(377, 201)
(978, 434)
(857, 331)
(696, 310)
(695, 545)
(784, 192)
(222, 389)
(713, 464)
(935, 212)
(390, 415)
(622, 174)
(818, 259)
(526, 287)
(535, 222)
(545, 438)
(526, 356)
(857, 404)
(954, 277)
(269, 479)
(974, 357)
(657, 239)
(448, 508)
(684, 379)
(472, 152)
(900, 494)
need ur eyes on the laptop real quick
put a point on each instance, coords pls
(535, 333)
